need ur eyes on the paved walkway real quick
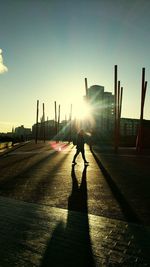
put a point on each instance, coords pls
(39, 235)
(128, 174)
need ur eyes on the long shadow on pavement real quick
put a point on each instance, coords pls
(15, 186)
(70, 244)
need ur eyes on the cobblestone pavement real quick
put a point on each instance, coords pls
(38, 235)
(76, 218)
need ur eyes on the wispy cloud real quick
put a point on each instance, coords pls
(3, 68)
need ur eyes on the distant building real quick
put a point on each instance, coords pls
(129, 129)
(44, 129)
(51, 130)
(23, 133)
(102, 108)
(129, 126)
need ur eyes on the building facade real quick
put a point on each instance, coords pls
(23, 133)
(102, 108)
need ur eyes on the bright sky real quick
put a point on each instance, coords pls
(50, 46)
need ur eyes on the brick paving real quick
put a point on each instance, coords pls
(39, 235)
(49, 233)
(129, 173)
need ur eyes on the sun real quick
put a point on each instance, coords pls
(81, 110)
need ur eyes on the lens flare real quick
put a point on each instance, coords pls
(58, 146)
(82, 111)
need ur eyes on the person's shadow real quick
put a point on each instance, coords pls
(77, 201)
(70, 244)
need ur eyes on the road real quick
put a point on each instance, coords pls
(54, 214)
(43, 174)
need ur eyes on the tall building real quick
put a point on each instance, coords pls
(102, 108)
(102, 105)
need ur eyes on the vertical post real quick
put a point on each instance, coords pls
(118, 114)
(37, 116)
(139, 143)
(64, 128)
(142, 93)
(118, 99)
(86, 88)
(55, 118)
(121, 94)
(58, 115)
(43, 121)
(120, 108)
(115, 108)
(47, 132)
(145, 87)
(58, 118)
(70, 120)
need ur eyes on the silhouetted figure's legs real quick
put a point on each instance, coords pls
(83, 156)
(77, 153)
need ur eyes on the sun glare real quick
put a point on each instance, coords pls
(81, 110)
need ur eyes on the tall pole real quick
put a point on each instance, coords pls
(86, 88)
(43, 121)
(118, 114)
(140, 132)
(145, 87)
(58, 118)
(70, 119)
(37, 116)
(121, 94)
(58, 115)
(55, 118)
(143, 92)
(66, 130)
(118, 98)
(47, 132)
(115, 107)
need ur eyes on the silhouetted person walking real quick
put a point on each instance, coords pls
(80, 147)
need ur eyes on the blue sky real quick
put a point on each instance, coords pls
(50, 46)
